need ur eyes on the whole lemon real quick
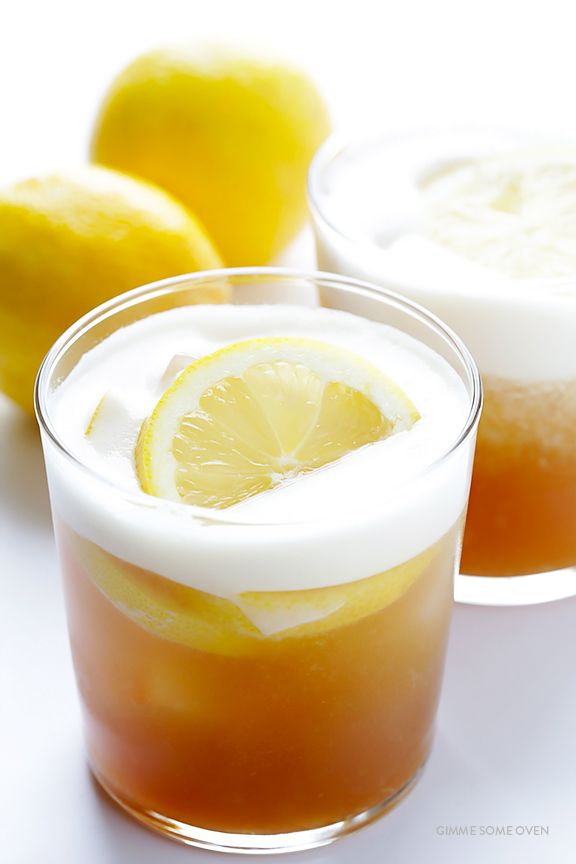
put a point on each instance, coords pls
(230, 136)
(70, 241)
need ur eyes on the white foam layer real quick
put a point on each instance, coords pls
(452, 226)
(513, 212)
(372, 510)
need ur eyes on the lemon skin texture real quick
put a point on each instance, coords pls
(230, 136)
(71, 241)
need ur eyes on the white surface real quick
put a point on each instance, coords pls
(505, 752)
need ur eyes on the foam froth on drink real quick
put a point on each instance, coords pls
(343, 522)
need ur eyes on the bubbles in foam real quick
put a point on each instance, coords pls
(478, 227)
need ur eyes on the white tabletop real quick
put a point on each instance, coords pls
(505, 751)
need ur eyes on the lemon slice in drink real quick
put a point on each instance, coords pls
(262, 411)
(184, 615)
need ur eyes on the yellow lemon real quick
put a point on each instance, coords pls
(165, 608)
(181, 614)
(262, 411)
(70, 241)
(231, 136)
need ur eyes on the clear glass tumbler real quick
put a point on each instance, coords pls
(223, 737)
(367, 199)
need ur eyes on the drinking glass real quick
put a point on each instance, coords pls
(367, 209)
(207, 731)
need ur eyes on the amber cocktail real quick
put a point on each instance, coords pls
(479, 227)
(242, 733)
(261, 674)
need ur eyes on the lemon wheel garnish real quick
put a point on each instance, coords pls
(195, 619)
(262, 411)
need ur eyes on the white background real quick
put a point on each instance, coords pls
(506, 747)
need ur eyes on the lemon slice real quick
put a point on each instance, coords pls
(262, 411)
(318, 610)
(184, 615)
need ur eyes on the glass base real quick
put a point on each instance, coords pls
(256, 844)
(516, 590)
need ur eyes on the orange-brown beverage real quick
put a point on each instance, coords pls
(258, 509)
(523, 494)
(240, 732)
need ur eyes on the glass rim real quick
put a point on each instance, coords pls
(171, 285)
(338, 143)
(333, 146)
